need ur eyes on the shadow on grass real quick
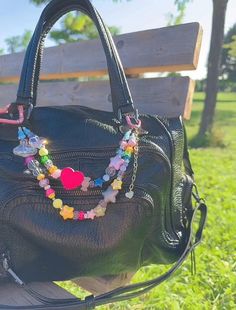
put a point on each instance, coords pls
(215, 138)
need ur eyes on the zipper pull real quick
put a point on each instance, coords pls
(5, 264)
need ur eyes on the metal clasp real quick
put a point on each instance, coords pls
(18, 121)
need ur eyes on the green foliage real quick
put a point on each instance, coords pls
(214, 285)
(18, 43)
(181, 8)
(228, 59)
(232, 47)
(76, 26)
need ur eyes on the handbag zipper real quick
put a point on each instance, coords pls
(59, 155)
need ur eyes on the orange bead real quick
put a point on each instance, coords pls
(40, 177)
(52, 169)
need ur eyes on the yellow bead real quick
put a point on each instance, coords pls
(57, 203)
(51, 196)
(43, 151)
(129, 149)
(40, 177)
(52, 169)
(116, 184)
(67, 212)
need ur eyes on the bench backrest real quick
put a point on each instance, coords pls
(168, 49)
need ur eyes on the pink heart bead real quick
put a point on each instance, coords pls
(71, 179)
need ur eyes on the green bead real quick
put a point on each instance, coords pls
(44, 159)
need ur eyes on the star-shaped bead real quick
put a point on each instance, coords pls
(116, 184)
(98, 182)
(116, 162)
(67, 212)
(99, 211)
(85, 184)
(110, 195)
(91, 214)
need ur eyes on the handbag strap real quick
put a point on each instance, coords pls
(121, 98)
(115, 55)
(122, 293)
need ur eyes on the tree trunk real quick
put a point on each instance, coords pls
(217, 36)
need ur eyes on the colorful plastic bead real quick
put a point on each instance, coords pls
(43, 182)
(132, 142)
(91, 184)
(85, 184)
(127, 135)
(116, 162)
(120, 152)
(111, 171)
(29, 159)
(102, 203)
(50, 193)
(110, 195)
(99, 211)
(67, 212)
(123, 144)
(57, 203)
(52, 169)
(123, 167)
(106, 177)
(44, 159)
(98, 182)
(91, 214)
(56, 174)
(43, 151)
(116, 184)
(48, 163)
(129, 149)
(47, 187)
(40, 177)
(81, 215)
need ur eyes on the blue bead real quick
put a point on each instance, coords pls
(126, 157)
(28, 132)
(120, 152)
(127, 135)
(21, 134)
(98, 182)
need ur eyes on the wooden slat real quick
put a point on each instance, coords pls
(13, 295)
(174, 48)
(163, 96)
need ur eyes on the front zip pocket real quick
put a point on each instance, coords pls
(153, 165)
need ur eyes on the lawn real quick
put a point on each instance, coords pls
(214, 285)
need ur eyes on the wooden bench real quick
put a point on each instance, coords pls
(168, 49)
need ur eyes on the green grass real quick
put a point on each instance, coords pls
(214, 285)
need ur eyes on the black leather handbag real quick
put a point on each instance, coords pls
(89, 222)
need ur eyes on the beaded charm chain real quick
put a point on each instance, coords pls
(43, 169)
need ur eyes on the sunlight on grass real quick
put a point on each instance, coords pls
(214, 286)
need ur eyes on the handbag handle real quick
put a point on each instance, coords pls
(113, 50)
(121, 98)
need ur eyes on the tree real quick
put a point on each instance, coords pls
(213, 67)
(18, 43)
(228, 60)
(75, 26)
(181, 6)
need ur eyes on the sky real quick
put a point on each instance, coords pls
(135, 15)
